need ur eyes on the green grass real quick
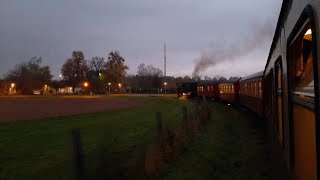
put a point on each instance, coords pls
(41, 149)
(231, 146)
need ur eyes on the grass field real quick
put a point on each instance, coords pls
(229, 147)
(41, 149)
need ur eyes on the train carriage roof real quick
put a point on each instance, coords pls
(282, 16)
(207, 83)
(230, 81)
(253, 76)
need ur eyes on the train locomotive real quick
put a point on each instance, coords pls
(286, 93)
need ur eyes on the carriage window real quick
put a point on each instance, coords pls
(255, 89)
(302, 67)
(260, 89)
(245, 88)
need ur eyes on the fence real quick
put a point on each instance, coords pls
(166, 145)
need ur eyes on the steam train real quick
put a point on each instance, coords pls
(286, 93)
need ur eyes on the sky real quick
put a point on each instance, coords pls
(138, 29)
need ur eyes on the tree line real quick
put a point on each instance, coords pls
(100, 73)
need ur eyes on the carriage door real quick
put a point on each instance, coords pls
(279, 104)
(301, 65)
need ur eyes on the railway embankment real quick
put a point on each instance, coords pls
(233, 145)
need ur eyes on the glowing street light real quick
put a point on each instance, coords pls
(12, 85)
(165, 87)
(119, 85)
(60, 75)
(86, 84)
(109, 84)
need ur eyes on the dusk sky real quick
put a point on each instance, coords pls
(137, 29)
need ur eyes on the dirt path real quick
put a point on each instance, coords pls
(29, 107)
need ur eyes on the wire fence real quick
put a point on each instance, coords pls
(166, 145)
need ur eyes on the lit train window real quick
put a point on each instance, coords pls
(245, 89)
(256, 89)
(302, 67)
(260, 89)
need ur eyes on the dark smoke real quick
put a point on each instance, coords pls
(260, 35)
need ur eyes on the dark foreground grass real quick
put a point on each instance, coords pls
(42, 149)
(231, 146)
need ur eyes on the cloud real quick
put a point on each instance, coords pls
(138, 29)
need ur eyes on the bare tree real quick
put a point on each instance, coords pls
(97, 64)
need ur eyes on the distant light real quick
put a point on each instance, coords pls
(228, 104)
(309, 31)
(60, 75)
(165, 83)
(109, 84)
(12, 85)
(70, 88)
(45, 85)
(86, 84)
(119, 84)
(100, 74)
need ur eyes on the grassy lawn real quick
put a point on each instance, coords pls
(41, 149)
(231, 146)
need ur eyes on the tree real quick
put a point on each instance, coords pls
(75, 69)
(149, 76)
(29, 75)
(97, 64)
(115, 68)
(95, 75)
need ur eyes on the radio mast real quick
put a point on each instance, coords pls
(165, 60)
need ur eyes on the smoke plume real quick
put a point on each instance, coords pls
(222, 51)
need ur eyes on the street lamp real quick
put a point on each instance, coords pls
(85, 84)
(165, 87)
(109, 84)
(119, 87)
(12, 87)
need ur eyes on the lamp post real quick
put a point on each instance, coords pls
(109, 84)
(119, 88)
(85, 84)
(12, 87)
(45, 88)
(165, 87)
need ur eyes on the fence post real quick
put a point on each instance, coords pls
(78, 157)
(159, 125)
(185, 119)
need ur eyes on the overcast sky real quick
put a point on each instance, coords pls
(138, 29)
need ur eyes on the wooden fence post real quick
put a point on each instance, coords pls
(185, 119)
(159, 126)
(78, 157)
